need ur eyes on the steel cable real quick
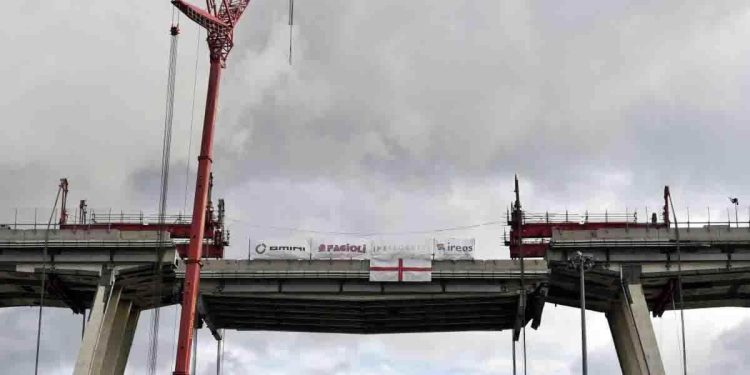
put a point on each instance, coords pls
(44, 282)
(291, 23)
(679, 284)
(192, 118)
(166, 150)
(370, 234)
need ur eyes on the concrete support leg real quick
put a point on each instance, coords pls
(633, 334)
(116, 337)
(85, 359)
(109, 333)
(127, 342)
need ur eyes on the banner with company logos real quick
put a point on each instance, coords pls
(454, 249)
(280, 249)
(395, 250)
(361, 249)
(340, 248)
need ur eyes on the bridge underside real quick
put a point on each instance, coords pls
(336, 296)
(718, 287)
(75, 289)
(363, 314)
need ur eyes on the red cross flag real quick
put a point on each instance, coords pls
(401, 270)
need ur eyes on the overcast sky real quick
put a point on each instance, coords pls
(394, 116)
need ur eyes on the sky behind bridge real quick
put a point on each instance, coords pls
(395, 116)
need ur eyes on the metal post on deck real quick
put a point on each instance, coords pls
(582, 263)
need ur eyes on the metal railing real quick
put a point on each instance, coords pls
(34, 218)
(107, 216)
(586, 217)
(707, 219)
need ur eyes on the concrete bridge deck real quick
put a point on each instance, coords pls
(715, 264)
(75, 262)
(336, 296)
(114, 274)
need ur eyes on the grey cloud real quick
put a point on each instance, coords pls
(727, 354)
(394, 116)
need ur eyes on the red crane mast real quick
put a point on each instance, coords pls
(219, 22)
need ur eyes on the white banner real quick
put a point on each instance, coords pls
(340, 249)
(280, 249)
(400, 270)
(454, 248)
(414, 250)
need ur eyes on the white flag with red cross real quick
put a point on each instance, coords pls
(401, 270)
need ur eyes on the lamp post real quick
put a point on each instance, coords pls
(582, 263)
(735, 202)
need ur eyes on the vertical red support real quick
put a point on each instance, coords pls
(192, 263)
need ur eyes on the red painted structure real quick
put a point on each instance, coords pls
(214, 234)
(219, 23)
(531, 233)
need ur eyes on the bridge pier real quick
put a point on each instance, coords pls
(633, 333)
(109, 332)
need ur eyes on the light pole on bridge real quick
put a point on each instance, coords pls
(582, 263)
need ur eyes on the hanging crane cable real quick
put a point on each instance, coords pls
(679, 282)
(291, 23)
(63, 185)
(174, 31)
(187, 174)
(192, 118)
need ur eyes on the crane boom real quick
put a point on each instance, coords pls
(219, 24)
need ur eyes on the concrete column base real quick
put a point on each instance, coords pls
(109, 332)
(633, 334)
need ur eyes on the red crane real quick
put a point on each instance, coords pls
(219, 22)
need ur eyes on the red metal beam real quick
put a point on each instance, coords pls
(544, 230)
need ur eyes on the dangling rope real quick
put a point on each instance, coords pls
(513, 343)
(195, 351)
(166, 149)
(223, 344)
(677, 334)
(291, 23)
(679, 284)
(219, 353)
(44, 282)
(174, 334)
